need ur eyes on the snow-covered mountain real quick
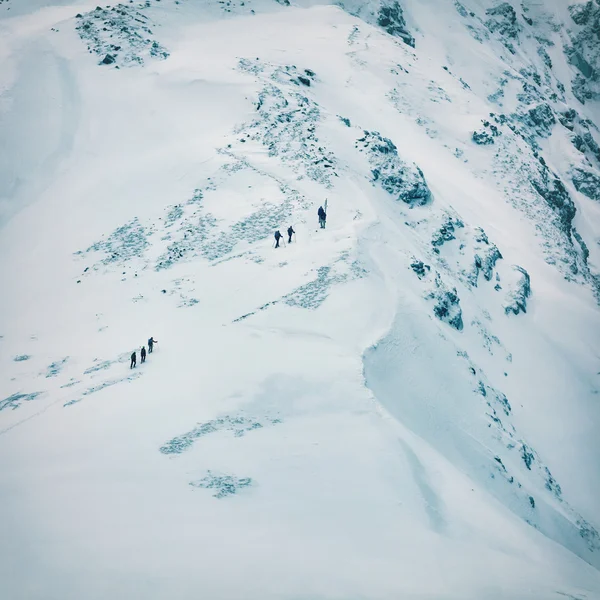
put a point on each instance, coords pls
(403, 405)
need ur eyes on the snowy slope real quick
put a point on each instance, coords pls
(404, 405)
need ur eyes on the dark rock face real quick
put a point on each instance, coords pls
(552, 189)
(109, 59)
(587, 183)
(402, 180)
(584, 51)
(485, 262)
(486, 136)
(482, 138)
(517, 298)
(420, 268)
(503, 20)
(446, 232)
(568, 118)
(391, 18)
(447, 305)
(540, 118)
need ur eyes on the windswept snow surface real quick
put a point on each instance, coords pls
(403, 405)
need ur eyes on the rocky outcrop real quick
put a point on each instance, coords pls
(584, 51)
(486, 135)
(540, 119)
(503, 20)
(516, 300)
(119, 34)
(552, 189)
(447, 305)
(404, 181)
(391, 18)
(586, 182)
(446, 232)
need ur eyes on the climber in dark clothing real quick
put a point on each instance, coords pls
(133, 360)
(322, 217)
(290, 233)
(151, 343)
(278, 236)
(143, 354)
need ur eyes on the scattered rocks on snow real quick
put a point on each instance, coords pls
(16, 400)
(123, 244)
(420, 268)
(503, 21)
(485, 137)
(224, 485)
(119, 34)
(494, 396)
(239, 425)
(287, 121)
(402, 180)
(21, 357)
(446, 232)
(516, 300)
(56, 367)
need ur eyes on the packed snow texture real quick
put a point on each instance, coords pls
(401, 405)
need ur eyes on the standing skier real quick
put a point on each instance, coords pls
(151, 343)
(143, 354)
(290, 233)
(322, 217)
(133, 360)
(278, 236)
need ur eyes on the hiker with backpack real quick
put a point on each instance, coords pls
(151, 343)
(278, 236)
(143, 354)
(290, 233)
(133, 360)
(322, 217)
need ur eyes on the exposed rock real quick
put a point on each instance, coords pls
(567, 118)
(486, 136)
(581, 13)
(482, 138)
(540, 118)
(586, 182)
(405, 181)
(419, 267)
(446, 232)
(503, 20)
(516, 300)
(584, 51)
(119, 34)
(447, 306)
(485, 262)
(552, 189)
(391, 18)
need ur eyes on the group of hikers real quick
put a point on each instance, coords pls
(290, 231)
(151, 343)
